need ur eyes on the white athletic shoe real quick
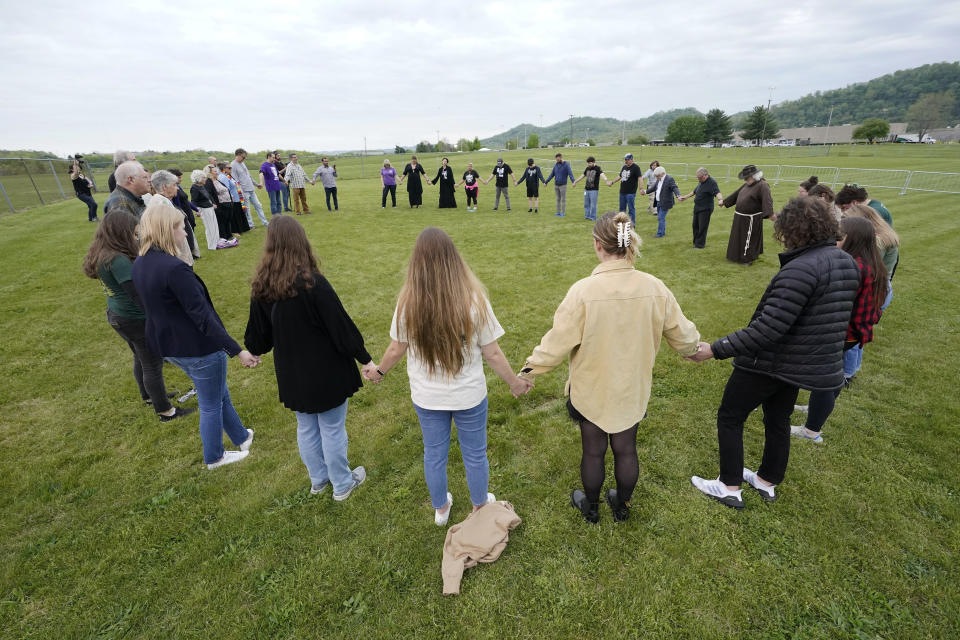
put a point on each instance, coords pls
(249, 441)
(765, 491)
(440, 519)
(229, 457)
(719, 492)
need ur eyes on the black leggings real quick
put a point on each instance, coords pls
(471, 195)
(626, 467)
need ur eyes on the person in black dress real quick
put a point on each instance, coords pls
(414, 187)
(447, 185)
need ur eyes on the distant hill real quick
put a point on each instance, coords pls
(598, 129)
(886, 97)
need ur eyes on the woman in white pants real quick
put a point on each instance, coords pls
(200, 197)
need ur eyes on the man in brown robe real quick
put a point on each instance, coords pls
(753, 203)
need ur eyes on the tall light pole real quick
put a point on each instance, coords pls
(624, 134)
(571, 128)
(763, 132)
(826, 133)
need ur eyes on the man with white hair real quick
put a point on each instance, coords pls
(665, 189)
(132, 182)
(242, 176)
(703, 196)
(119, 157)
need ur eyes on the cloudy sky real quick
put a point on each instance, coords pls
(321, 75)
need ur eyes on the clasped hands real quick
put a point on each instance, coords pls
(518, 386)
(248, 360)
(704, 353)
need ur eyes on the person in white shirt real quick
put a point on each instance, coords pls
(444, 319)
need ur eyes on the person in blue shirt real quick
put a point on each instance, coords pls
(532, 177)
(562, 171)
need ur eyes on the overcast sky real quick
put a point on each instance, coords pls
(319, 75)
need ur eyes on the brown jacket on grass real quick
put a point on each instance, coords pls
(482, 537)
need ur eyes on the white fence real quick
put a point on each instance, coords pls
(899, 179)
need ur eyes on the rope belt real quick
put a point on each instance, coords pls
(749, 228)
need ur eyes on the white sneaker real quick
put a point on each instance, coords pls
(440, 519)
(490, 498)
(249, 441)
(229, 457)
(804, 408)
(359, 475)
(766, 491)
(798, 431)
(719, 492)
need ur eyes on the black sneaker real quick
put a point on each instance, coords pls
(578, 500)
(170, 396)
(621, 510)
(178, 412)
(530, 210)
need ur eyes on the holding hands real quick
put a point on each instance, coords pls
(248, 360)
(371, 372)
(703, 353)
(520, 386)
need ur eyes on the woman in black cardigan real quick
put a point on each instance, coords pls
(295, 312)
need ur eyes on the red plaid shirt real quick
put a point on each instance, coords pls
(866, 312)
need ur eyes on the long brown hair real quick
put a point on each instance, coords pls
(287, 262)
(115, 236)
(439, 302)
(860, 241)
(805, 221)
(886, 236)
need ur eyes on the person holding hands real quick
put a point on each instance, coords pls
(445, 325)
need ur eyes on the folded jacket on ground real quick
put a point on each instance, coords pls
(482, 537)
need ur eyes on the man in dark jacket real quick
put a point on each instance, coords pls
(794, 341)
(133, 182)
(665, 189)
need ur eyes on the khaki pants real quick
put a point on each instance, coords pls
(299, 194)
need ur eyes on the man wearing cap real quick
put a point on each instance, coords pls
(501, 173)
(753, 203)
(703, 196)
(562, 171)
(629, 179)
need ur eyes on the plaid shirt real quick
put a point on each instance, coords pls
(296, 177)
(866, 312)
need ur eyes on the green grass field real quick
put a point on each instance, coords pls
(112, 528)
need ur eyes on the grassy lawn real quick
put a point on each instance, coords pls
(111, 527)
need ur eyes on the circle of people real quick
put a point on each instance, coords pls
(807, 332)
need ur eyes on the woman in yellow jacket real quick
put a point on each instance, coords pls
(611, 324)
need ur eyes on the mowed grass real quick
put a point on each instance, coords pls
(112, 528)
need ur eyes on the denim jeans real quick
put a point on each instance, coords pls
(209, 376)
(392, 190)
(275, 205)
(251, 197)
(852, 358)
(662, 221)
(322, 438)
(91, 205)
(590, 204)
(627, 201)
(472, 434)
(889, 298)
(285, 192)
(331, 191)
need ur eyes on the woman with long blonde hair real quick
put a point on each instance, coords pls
(445, 324)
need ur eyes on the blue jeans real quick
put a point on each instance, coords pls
(217, 415)
(91, 205)
(852, 359)
(251, 197)
(322, 438)
(661, 221)
(275, 204)
(285, 191)
(627, 204)
(889, 298)
(590, 204)
(472, 434)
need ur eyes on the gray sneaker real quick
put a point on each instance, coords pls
(319, 487)
(359, 475)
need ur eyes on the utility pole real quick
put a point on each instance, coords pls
(571, 128)
(362, 155)
(438, 141)
(763, 132)
(827, 132)
(624, 134)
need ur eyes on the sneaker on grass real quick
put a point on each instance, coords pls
(766, 491)
(320, 487)
(718, 491)
(178, 412)
(359, 475)
(229, 457)
(798, 431)
(249, 441)
(440, 519)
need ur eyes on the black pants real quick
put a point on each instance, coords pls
(626, 467)
(331, 191)
(224, 213)
(822, 402)
(746, 391)
(701, 221)
(392, 190)
(147, 366)
(471, 195)
(88, 200)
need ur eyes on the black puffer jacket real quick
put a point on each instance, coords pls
(797, 332)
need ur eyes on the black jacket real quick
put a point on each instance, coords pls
(200, 197)
(314, 345)
(797, 332)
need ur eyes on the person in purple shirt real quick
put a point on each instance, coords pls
(388, 178)
(271, 180)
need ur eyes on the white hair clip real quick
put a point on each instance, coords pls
(623, 234)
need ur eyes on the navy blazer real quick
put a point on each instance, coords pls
(666, 194)
(181, 320)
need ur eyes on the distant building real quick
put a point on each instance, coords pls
(834, 134)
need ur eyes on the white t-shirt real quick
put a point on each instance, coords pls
(465, 390)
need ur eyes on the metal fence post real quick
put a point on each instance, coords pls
(836, 177)
(777, 179)
(24, 163)
(906, 184)
(7, 198)
(57, 178)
